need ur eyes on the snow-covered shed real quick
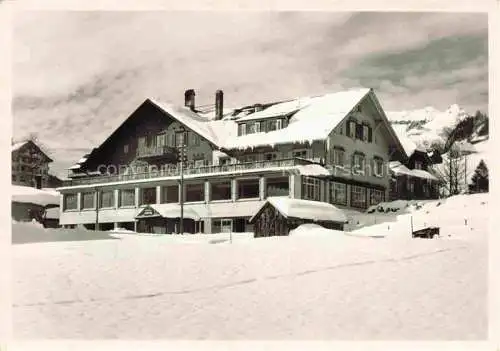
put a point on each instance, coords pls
(278, 215)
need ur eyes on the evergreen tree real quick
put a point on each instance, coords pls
(480, 182)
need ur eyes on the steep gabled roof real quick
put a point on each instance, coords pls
(191, 120)
(19, 145)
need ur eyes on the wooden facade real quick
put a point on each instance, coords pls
(407, 187)
(269, 221)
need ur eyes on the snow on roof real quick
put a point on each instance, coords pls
(323, 112)
(17, 146)
(305, 209)
(173, 211)
(398, 168)
(408, 145)
(279, 109)
(210, 113)
(35, 196)
(420, 173)
(209, 130)
(198, 211)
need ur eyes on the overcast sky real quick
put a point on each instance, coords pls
(77, 75)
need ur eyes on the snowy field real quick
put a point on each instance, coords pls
(376, 283)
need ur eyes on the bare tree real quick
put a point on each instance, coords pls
(452, 172)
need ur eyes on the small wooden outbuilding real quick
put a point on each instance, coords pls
(279, 215)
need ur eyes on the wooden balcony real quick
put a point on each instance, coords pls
(156, 152)
(174, 171)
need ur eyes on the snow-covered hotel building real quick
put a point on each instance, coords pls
(334, 148)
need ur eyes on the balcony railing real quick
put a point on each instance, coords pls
(156, 151)
(174, 171)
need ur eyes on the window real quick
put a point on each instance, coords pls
(310, 188)
(338, 193)
(141, 143)
(278, 186)
(242, 129)
(248, 188)
(160, 140)
(279, 124)
(376, 196)
(358, 163)
(170, 194)
(425, 189)
(358, 196)
(222, 225)
(127, 197)
(150, 140)
(365, 133)
(169, 140)
(359, 131)
(418, 164)
(257, 127)
(220, 190)
(270, 156)
(70, 202)
(88, 200)
(274, 124)
(181, 139)
(107, 199)
(338, 156)
(199, 163)
(378, 166)
(148, 196)
(196, 139)
(299, 153)
(195, 192)
(351, 129)
(125, 149)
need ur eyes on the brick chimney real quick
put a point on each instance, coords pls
(189, 99)
(219, 104)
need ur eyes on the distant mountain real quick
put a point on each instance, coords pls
(427, 126)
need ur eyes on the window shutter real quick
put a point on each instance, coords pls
(347, 128)
(370, 136)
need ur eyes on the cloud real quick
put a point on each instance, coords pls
(78, 75)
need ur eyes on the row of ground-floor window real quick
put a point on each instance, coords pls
(162, 225)
(341, 193)
(309, 188)
(214, 190)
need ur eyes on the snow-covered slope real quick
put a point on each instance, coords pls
(425, 126)
(317, 286)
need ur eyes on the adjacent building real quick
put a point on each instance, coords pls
(30, 166)
(223, 164)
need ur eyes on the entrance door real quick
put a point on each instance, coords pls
(38, 182)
